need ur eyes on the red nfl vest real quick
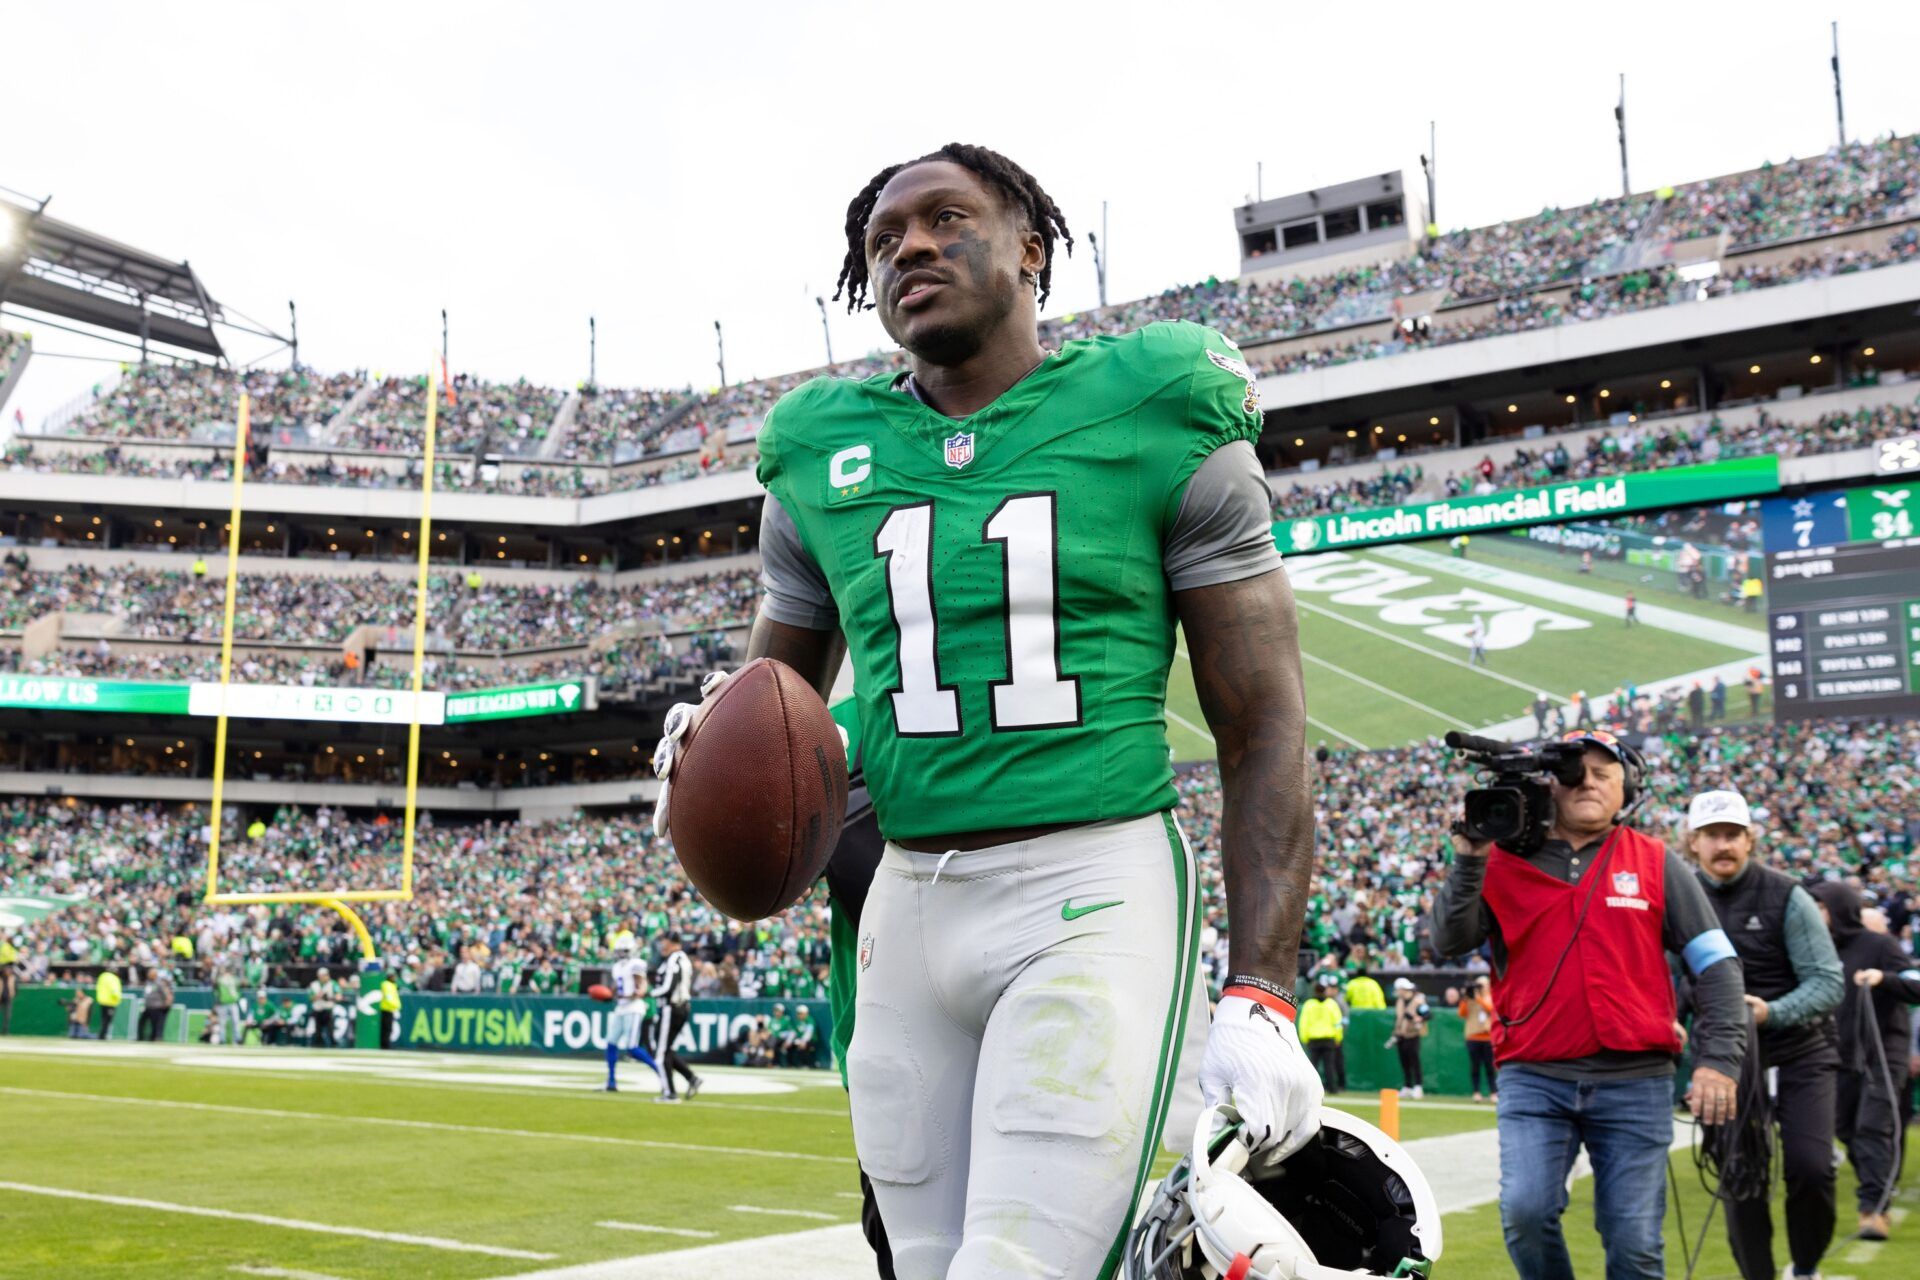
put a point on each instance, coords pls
(1614, 990)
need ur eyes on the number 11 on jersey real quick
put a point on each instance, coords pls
(1035, 695)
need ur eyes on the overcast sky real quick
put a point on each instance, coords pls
(661, 166)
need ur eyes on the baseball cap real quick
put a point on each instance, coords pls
(1403, 984)
(1710, 807)
(1599, 738)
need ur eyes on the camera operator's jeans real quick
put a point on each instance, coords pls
(1626, 1127)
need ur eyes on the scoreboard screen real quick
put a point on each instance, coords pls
(1843, 590)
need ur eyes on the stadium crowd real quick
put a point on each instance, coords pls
(474, 416)
(1607, 252)
(618, 425)
(1592, 300)
(181, 402)
(1857, 185)
(575, 481)
(1642, 446)
(625, 667)
(471, 611)
(532, 905)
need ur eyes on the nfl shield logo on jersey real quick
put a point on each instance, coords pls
(866, 950)
(1626, 884)
(960, 450)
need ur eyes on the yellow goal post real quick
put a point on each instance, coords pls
(334, 899)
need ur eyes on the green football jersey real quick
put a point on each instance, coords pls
(999, 577)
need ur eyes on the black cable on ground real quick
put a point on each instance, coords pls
(1734, 1161)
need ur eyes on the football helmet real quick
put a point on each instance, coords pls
(1349, 1204)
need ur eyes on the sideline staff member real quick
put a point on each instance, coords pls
(1867, 1118)
(1323, 1028)
(1793, 986)
(1584, 1036)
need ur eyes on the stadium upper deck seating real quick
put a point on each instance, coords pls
(182, 402)
(1556, 267)
(475, 416)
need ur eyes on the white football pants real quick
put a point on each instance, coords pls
(1018, 1032)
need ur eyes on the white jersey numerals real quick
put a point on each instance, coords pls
(922, 706)
(1035, 695)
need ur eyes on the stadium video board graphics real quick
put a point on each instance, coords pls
(1844, 600)
(317, 703)
(1598, 497)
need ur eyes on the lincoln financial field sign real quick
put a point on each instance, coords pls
(1709, 482)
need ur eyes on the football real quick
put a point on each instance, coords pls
(758, 792)
(599, 991)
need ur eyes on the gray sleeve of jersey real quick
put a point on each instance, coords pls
(797, 592)
(1224, 531)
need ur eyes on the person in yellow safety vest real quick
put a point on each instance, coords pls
(1750, 592)
(200, 567)
(1323, 1026)
(106, 994)
(182, 946)
(9, 956)
(389, 1010)
(1364, 993)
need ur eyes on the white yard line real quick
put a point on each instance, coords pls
(1395, 694)
(813, 1214)
(650, 1229)
(819, 1253)
(284, 1273)
(1659, 617)
(1418, 648)
(268, 1220)
(1187, 724)
(1868, 1250)
(435, 1126)
(593, 1096)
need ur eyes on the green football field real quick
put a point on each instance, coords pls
(150, 1161)
(1386, 661)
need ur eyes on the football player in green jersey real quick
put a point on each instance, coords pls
(1004, 541)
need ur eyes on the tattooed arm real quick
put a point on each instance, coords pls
(814, 654)
(1245, 645)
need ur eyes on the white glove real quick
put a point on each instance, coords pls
(680, 718)
(1254, 1060)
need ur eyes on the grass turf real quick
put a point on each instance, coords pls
(1474, 1246)
(441, 1147)
(1376, 678)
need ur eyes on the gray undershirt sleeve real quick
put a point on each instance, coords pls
(1815, 963)
(797, 592)
(1224, 531)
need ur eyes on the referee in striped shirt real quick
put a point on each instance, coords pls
(672, 993)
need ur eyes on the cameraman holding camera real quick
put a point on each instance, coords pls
(1580, 910)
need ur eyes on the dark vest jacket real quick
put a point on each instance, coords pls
(1753, 912)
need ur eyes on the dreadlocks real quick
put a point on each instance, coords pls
(1009, 179)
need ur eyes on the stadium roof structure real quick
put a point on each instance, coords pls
(68, 272)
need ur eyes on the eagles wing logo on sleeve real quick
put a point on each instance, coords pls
(1238, 368)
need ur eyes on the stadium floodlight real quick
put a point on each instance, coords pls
(335, 899)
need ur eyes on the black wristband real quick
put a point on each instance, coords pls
(1273, 989)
